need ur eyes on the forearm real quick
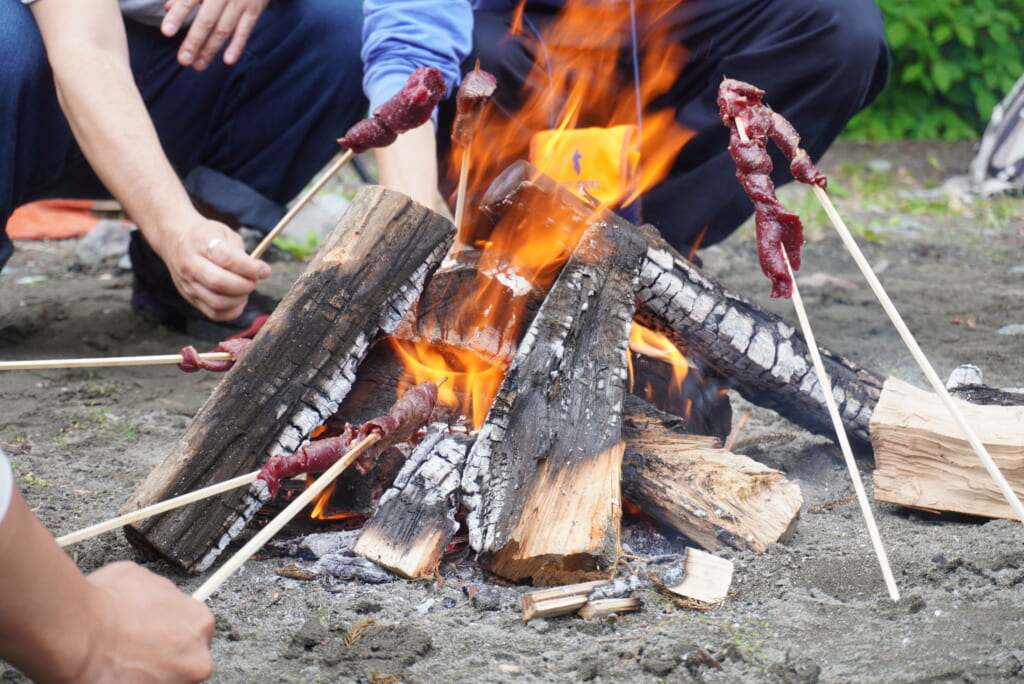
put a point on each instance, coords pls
(409, 165)
(45, 602)
(88, 52)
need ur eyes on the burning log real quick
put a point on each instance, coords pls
(542, 480)
(415, 519)
(711, 495)
(922, 459)
(295, 373)
(764, 357)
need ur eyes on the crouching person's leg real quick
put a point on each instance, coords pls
(819, 63)
(246, 138)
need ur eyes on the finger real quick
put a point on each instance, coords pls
(243, 30)
(232, 257)
(177, 11)
(222, 31)
(199, 33)
(215, 306)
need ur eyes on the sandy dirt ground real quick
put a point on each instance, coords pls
(812, 609)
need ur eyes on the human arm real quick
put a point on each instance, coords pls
(398, 37)
(409, 165)
(88, 52)
(121, 623)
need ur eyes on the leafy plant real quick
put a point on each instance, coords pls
(952, 61)
(299, 249)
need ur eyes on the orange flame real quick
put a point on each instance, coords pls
(655, 345)
(578, 82)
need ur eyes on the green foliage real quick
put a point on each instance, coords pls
(952, 61)
(300, 250)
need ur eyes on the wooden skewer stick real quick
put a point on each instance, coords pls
(915, 351)
(339, 161)
(837, 422)
(844, 442)
(281, 519)
(107, 361)
(460, 196)
(157, 508)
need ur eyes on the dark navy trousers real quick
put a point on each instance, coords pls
(819, 61)
(244, 138)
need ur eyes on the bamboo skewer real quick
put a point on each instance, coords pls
(844, 442)
(157, 508)
(339, 161)
(100, 361)
(837, 422)
(915, 350)
(281, 519)
(460, 196)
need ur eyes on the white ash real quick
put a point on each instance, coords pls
(346, 566)
(251, 504)
(319, 544)
(620, 587)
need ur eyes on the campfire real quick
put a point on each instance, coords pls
(582, 362)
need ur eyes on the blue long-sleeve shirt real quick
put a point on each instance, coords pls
(401, 35)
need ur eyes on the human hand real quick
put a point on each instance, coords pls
(214, 23)
(147, 630)
(210, 267)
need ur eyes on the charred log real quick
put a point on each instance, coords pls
(295, 373)
(542, 480)
(415, 519)
(763, 357)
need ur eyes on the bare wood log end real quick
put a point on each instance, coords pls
(568, 530)
(922, 460)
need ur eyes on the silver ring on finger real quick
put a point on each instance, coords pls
(210, 246)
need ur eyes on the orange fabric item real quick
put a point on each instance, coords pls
(51, 220)
(600, 162)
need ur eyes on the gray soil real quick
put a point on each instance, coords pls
(812, 609)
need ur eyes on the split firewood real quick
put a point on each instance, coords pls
(542, 480)
(923, 461)
(605, 607)
(711, 495)
(561, 600)
(296, 371)
(416, 518)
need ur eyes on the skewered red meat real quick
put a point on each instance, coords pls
(477, 87)
(412, 410)
(777, 227)
(234, 345)
(409, 108)
(191, 361)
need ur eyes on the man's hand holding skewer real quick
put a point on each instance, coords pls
(209, 266)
